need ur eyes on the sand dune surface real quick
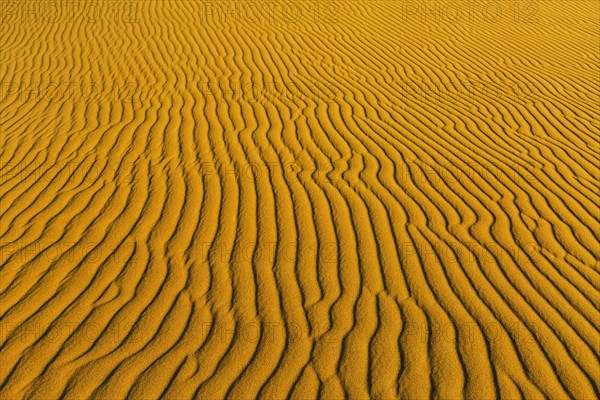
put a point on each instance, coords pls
(361, 199)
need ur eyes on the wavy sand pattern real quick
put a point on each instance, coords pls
(350, 199)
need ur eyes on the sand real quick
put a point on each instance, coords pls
(350, 199)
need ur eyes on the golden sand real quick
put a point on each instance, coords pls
(362, 199)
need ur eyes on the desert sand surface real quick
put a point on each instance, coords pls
(349, 199)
